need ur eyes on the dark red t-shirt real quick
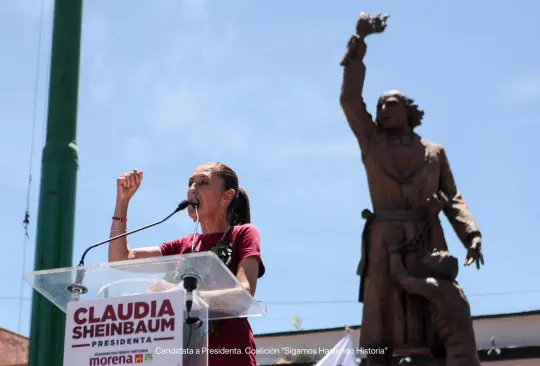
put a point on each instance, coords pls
(231, 333)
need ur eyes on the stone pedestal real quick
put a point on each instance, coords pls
(414, 356)
(409, 361)
(417, 360)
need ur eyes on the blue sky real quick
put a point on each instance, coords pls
(166, 85)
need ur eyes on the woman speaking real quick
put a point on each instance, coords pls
(223, 214)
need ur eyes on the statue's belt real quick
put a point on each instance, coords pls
(417, 215)
(394, 215)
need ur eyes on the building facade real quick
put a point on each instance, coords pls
(502, 339)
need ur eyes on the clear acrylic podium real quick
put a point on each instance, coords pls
(218, 294)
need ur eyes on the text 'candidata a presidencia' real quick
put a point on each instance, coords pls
(279, 351)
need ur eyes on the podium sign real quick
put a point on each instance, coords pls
(135, 307)
(125, 330)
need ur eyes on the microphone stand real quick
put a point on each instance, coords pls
(190, 285)
(76, 289)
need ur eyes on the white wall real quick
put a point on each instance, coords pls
(519, 331)
(535, 362)
(512, 331)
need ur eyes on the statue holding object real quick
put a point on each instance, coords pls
(410, 183)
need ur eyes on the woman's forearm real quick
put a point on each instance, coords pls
(118, 249)
(232, 300)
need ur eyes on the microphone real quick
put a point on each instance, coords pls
(77, 288)
(181, 206)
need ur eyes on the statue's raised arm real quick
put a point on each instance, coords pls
(352, 101)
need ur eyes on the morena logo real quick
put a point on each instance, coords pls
(120, 360)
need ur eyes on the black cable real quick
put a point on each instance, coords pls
(189, 336)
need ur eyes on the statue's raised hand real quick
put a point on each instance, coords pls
(367, 24)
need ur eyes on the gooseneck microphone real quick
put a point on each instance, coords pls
(191, 281)
(77, 288)
(181, 206)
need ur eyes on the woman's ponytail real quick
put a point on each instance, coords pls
(240, 209)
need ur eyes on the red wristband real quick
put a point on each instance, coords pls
(123, 219)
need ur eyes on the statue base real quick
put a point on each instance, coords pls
(408, 356)
(415, 356)
(417, 360)
(409, 361)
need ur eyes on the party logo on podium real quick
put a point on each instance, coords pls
(148, 357)
(139, 358)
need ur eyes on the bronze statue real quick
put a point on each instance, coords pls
(410, 183)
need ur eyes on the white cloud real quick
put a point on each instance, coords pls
(13, 164)
(192, 115)
(30, 8)
(525, 90)
(212, 120)
(94, 42)
(138, 152)
(195, 8)
(344, 148)
(193, 103)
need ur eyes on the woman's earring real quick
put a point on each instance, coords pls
(222, 212)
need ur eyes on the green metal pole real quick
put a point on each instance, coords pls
(56, 216)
